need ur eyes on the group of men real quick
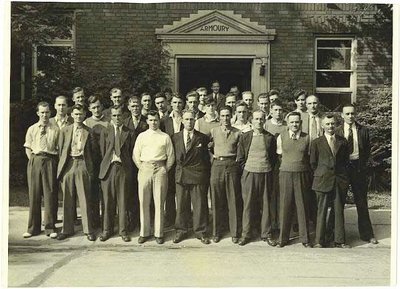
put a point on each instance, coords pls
(157, 157)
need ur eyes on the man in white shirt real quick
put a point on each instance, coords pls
(241, 118)
(61, 119)
(154, 156)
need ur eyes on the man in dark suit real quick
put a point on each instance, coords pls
(76, 171)
(170, 126)
(257, 157)
(359, 148)
(218, 97)
(192, 175)
(192, 102)
(135, 121)
(160, 101)
(116, 144)
(329, 160)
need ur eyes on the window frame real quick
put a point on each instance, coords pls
(352, 89)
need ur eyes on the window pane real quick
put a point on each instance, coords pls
(334, 59)
(49, 57)
(333, 100)
(334, 43)
(333, 79)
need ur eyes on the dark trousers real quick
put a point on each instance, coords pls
(170, 205)
(293, 189)
(335, 198)
(359, 186)
(96, 203)
(76, 182)
(116, 186)
(195, 194)
(133, 204)
(225, 188)
(41, 175)
(311, 204)
(274, 204)
(256, 193)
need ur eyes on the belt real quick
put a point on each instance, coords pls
(155, 164)
(116, 163)
(77, 157)
(233, 158)
(44, 154)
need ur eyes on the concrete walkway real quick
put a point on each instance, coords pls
(40, 261)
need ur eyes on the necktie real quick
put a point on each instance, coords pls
(188, 141)
(117, 144)
(293, 136)
(350, 139)
(313, 133)
(331, 143)
(43, 139)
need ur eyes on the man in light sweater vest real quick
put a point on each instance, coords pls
(257, 156)
(294, 179)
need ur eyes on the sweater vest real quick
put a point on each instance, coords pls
(295, 153)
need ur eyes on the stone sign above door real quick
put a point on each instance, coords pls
(219, 34)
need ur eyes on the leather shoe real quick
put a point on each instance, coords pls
(160, 240)
(306, 245)
(91, 237)
(216, 239)
(126, 238)
(373, 241)
(318, 246)
(178, 238)
(141, 239)
(104, 237)
(281, 244)
(204, 240)
(243, 241)
(270, 241)
(26, 235)
(235, 240)
(342, 245)
(62, 236)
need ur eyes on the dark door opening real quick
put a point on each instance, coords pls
(194, 73)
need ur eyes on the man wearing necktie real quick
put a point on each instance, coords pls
(160, 101)
(41, 145)
(329, 161)
(359, 147)
(191, 177)
(294, 179)
(218, 97)
(76, 172)
(225, 176)
(117, 99)
(116, 174)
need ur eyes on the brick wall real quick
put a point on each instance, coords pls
(101, 29)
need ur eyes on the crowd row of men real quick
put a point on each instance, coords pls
(266, 172)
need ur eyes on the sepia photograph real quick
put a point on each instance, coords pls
(200, 144)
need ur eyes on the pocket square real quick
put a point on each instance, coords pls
(199, 145)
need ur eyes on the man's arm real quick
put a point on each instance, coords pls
(137, 151)
(170, 153)
(28, 143)
(314, 155)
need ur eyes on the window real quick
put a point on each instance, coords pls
(335, 70)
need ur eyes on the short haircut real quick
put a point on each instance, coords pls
(299, 93)
(188, 111)
(241, 103)
(276, 103)
(273, 92)
(209, 100)
(153, 113)
(77, 89)
(263, 95)
(215, 81)
(328, 115)
(225, 107)
(160, 94)
(115, 90)
(143, 94)
(93, 98)
(312, 95)
(201, 89)
(192, 94)
(234, 86)
(177, 95)
(115, 107)
(42, 103)
(78, 107)
(348, 105)
(61, 97)
(259, 111)
(134, 98)
(293, 113)
(248, 92)
(230, 94)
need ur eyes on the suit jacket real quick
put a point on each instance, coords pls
(142, 125)
(89, 149)
(329, 169)
(364, 145)
(52, 121)
(244, 147)
(167, 126)
(107, 113)
(220, 101)
(306, 124)
(192, 166)
(107, 140)
(199, 114)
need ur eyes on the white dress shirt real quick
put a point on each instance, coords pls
(177, 121)
(32, 139)
(116, 158)
(331, 142)
(356, 153)
(279, 140)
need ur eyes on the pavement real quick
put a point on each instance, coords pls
(41, 261)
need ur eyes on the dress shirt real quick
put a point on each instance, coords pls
(153, 145)
(279, 140)
(162, 114)
(317, 120)
(243, 127)
(356, 153)
(185, 136)
(32, 139)
(61, 122)
(176, 121)
(331, 142)
(76, 144)
(116, 158)
(276, 122)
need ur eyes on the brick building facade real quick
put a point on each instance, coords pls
(314, 44)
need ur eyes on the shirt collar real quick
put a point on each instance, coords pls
(274, 121)
(173, 116)
(328, 136)
(256, 133)
(210, 119)
(297, 134)
(62, 119)
(98, 118)
(347, 126)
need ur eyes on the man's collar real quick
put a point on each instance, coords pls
(297, 134)
(328, 135)
(98, 118)
(274, 121)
